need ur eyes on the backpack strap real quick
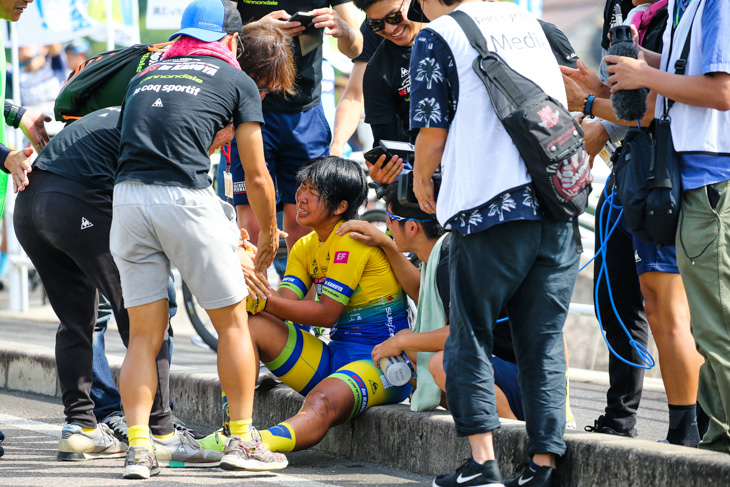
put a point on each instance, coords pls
(680, 66)
(495, 71)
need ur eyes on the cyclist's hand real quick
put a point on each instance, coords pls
(255, 304)
(383, 173)
(365, 232)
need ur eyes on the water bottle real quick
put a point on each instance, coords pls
(396, 370)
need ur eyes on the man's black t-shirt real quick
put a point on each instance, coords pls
(171, 114)
(370, 43)
(625, 5)
(387, 92)
(309, 66)
(86, 151)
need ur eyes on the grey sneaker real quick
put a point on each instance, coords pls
(140, 463)
(118, 424)
(183, 451)
(76, 445)
(251, 455)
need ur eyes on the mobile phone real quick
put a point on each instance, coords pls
(374, 154)
(713, 196)
(307, 20)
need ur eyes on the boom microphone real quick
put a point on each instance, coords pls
(628, 104)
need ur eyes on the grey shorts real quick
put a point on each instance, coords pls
(154, 226)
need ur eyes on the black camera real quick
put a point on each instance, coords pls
(406, 196)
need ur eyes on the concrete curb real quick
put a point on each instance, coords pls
(420, 442)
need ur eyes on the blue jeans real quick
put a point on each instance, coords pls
(103, 391)
(532, 266)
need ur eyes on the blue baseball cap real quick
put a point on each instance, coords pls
(209, 20)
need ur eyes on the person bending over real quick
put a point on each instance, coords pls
(357, 296)
(165, 213)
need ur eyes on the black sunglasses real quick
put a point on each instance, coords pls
(394, 18)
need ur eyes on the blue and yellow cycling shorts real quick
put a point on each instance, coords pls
(306, 361)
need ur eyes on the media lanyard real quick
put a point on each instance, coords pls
(227, 177)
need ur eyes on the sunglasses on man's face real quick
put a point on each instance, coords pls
(390, 218)
(394, 18)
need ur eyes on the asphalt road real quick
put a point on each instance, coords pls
(32, 426)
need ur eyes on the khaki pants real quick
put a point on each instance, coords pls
(703, 257)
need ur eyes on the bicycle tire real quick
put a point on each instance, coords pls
(206, 333)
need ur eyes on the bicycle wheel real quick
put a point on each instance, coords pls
(376, 217)
(199, 319)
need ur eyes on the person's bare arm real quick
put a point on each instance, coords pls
(710, 90)
(408, 275)
(349, 109)
(346, 30)
(323, 313)
(260, 191)
(410, 341)
(430, 145)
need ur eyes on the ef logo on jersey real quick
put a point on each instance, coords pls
(341, 257)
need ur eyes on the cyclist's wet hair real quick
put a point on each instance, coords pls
(337, 179)
(266, 56)
(432, 229)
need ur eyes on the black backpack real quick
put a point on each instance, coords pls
(102, 81)
(547, 137)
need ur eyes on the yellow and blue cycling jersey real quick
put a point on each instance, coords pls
(354, 274)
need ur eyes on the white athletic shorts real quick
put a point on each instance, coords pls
(154, 226)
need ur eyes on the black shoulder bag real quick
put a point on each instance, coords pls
(647, 174)
(547, 137)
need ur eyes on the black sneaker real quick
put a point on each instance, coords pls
(531, 477)
(471, 474)
(599, 426)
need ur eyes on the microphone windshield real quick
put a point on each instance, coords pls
(628, 104)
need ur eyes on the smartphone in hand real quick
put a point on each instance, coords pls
(307, 20)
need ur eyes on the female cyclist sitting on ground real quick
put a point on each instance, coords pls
(358, 297)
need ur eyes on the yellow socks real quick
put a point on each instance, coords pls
(140, 436)
(279, 438)
(242, 428)
(88, 430)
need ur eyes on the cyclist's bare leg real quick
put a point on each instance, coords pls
(294, 229)
(138, 377)
(330, 403)
(269, 335)
(237, 364)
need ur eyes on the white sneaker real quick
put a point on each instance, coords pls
(181, 450)
(77, 445)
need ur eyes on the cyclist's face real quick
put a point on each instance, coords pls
(311, 208)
